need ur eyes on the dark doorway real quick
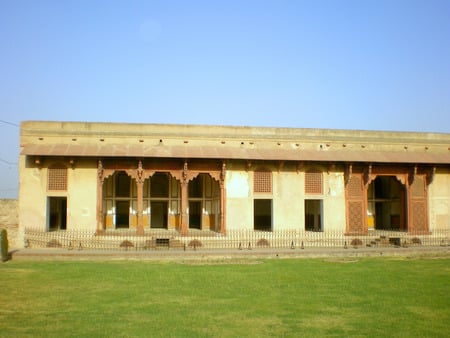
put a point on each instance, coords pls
(159, 214)
(122, 214)
(313, 215)
(195, 214)
(262, 214)
(386, 204)
(57, 213)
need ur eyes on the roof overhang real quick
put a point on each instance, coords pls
(224, 152)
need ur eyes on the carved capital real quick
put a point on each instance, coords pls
(223, 172)
(140, 177)
(100, 171)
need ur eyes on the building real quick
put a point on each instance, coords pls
(106, 177)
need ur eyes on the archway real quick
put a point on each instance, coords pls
(161, 201)
(203, 202)
(119, 201)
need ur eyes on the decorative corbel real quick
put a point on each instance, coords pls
(38, 163)
(300, 166)
(248, 165)
(223, 172)
(280, 165)
(348, 172)
(140, 173)
(430, 175)
(100, 171)
(412, 175)
(185, 172)
(367, 175)
(331, 167)
(72, 163)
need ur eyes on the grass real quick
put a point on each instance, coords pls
(370, 297)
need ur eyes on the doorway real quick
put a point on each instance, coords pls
(262, 214)
(313, 215)
(122, 214)
(386, 204)
(158, 214)
(195, 214)
(57, 213)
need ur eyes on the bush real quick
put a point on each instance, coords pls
(4, 244)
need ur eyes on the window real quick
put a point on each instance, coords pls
(57, 178)
(262, 181)
(313, 182)
(262, 214)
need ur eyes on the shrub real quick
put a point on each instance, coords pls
(4, 244)
(356, 242)
(416, 240)
(195, 243)
(53, 243)
(263, 243)
(126, 244)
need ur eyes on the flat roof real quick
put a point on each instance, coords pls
(42, 138)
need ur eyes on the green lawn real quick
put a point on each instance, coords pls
(371, 297)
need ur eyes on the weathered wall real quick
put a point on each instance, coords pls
(439, 200)
(81, 195)
(9, 220)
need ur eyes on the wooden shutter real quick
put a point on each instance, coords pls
(355, 204)
(418, 213)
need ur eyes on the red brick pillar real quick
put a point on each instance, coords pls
(100, 179)
(184, 207)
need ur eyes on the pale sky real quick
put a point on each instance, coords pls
(340, 64)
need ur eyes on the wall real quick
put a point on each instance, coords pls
(439, 200)
(9, 220)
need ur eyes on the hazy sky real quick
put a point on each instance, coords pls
(362, 64)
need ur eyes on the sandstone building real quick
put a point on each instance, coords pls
(107, 177)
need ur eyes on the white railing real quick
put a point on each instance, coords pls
(233, 239)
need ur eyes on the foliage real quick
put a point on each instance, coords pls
(4, 244)
(370, 297)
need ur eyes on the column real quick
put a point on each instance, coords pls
(140, 187)
(222, 229)
(100, 179)
(184, 206)
(140, 177)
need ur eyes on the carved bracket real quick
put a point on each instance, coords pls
(412, 175)
(103, 173)
(348, 173)
(430, 175)
(368, 177)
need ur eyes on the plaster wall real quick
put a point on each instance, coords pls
(439, 201)
(288, 203)
(334, 201)
(32, 195)
(239, 205)
(288, 199)
(82, 196)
